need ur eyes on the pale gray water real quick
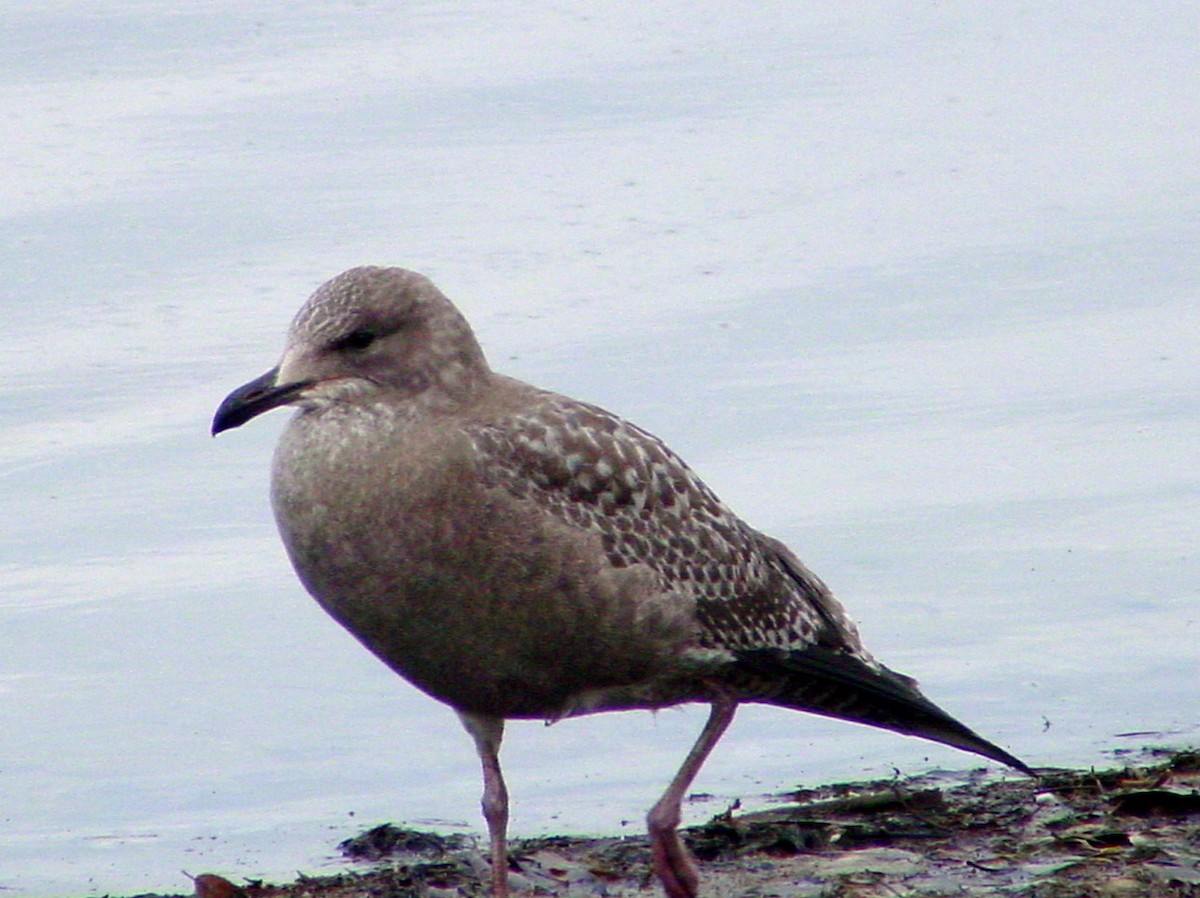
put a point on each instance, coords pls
(914, 290)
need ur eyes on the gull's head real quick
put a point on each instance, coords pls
(366, 333)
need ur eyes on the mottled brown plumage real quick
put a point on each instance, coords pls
(516, 553)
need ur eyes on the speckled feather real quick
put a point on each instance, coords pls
(595, 471)
(785, 639)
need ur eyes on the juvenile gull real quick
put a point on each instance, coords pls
(518, 554)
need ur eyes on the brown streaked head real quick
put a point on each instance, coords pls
(366, 331)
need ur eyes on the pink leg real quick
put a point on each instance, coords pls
(487, 732)
(675, 868)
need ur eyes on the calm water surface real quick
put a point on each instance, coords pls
(916, 293)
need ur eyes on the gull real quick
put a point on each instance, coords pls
(515, 553)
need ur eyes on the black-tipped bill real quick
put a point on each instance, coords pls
(250, 400)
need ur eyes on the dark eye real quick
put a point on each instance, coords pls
(354, 341)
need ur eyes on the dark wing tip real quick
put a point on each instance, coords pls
(835, 683)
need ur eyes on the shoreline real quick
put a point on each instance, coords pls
(1132, 832)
